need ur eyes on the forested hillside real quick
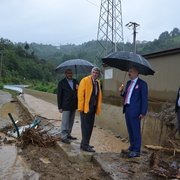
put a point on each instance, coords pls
(35, 64)
(19, 65)
(90, 50)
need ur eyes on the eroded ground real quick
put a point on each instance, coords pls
(46, 163)
(52, 163)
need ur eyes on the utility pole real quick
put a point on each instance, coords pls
(134, 26)
(110, 27)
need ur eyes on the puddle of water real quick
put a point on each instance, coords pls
(6, 108)
(12, 165)
(4, 97)
(4, 118)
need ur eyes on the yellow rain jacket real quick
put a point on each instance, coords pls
(84, 94)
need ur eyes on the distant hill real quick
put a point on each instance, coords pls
(90, 50)
(35, 63)
(38, 61)
(19, 64)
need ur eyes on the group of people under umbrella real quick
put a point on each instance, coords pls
(86, 96)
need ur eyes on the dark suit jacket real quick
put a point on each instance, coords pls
(176, 106)
(66, 96)
(139, 98)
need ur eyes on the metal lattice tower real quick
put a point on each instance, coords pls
(110, 27)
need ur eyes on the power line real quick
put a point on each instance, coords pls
(92, 3)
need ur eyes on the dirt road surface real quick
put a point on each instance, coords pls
(53, 163)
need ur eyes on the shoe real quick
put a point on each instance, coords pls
(91, 146)
(87, 149)
(133, 154)
(125, 151)
(71, 137)
(66, 141)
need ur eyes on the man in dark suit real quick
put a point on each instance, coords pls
(67, 104)
(135, 108)
(177, 109)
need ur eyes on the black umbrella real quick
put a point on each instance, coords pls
(123, 60)
(78, 66)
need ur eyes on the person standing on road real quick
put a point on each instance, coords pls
(135, 108)
(177, 109)
(67, 104)
(89, 104)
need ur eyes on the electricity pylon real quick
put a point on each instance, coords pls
(110, 27)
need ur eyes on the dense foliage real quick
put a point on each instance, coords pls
(92, 50)
(19, 65)
(34, 64)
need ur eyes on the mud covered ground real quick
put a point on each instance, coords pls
(49, 162)
(52, 163)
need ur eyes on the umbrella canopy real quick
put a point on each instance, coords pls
(78, 66)
(123, 60)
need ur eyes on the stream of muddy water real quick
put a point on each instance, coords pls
(12, 165)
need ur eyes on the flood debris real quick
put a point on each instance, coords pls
(45, 160)
(165, 159)
(33, 133)
(123, 170)
(19, 130)
(172, 150)
(6, 140)
(163, 168)
(168, 116)
(37, 137)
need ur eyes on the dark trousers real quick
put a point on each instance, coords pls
(133, 124)
(87, 123)
(178, 119)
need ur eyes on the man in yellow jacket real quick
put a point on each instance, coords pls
(89, 104)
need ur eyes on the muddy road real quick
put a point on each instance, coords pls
(33, 162)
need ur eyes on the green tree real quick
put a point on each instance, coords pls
(175, 32)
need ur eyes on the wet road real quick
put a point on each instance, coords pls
(103, 140)
(5, 107)
(12, 165)
(112, 120)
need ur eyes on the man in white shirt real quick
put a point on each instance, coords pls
(135, 108)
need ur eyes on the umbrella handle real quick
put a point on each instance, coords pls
(124, 77)
(121, 88)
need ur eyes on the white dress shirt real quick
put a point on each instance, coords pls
(131, 90)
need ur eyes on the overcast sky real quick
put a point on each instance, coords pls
(76, 21)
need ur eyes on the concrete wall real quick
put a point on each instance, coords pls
(162, 86)
(154, 131)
